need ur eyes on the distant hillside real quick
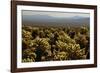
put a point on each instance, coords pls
(44, 20)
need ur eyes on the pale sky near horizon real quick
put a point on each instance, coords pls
(56, 14)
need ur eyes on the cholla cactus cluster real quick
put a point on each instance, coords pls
(54, 44)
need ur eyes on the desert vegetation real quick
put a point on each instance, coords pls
(55, 43)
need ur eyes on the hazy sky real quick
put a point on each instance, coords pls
(55, 14)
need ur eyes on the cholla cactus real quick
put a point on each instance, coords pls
(61, 56)
(27, 60)
(26, 34)
(84, 30)
(75, 52)
(27, 28)
(43, 42)
(65, 38)
(28, 56)
(61, 45)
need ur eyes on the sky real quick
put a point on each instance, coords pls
(55, 14)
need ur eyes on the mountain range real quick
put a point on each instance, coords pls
(46, 20)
